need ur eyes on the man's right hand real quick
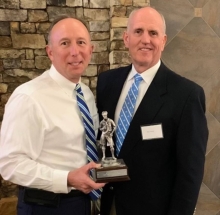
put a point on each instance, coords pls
(80, 178)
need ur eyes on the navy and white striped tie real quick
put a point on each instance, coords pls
(127, 113)
(92, 154)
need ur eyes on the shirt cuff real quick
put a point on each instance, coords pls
(60, 181)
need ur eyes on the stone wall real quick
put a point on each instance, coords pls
(192, 50)
(23, 36)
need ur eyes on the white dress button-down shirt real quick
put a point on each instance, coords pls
(42, 134)
(147, 76)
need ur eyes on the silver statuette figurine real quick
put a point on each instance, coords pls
(107, 127)
(112, 169)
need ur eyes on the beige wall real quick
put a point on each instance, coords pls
(192, 50)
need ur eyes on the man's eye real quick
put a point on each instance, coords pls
(81, 42)
(138, 31)
(153, 33)
(64, 43)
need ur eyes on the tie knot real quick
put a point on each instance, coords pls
(137, 78)
(78, 88)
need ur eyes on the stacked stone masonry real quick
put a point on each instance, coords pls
(24, 28)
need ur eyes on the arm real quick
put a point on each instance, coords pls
(22, 138)
(103, 127)
(113, 127)
(22, 141)
(191, 144)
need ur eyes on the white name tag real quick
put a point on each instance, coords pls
(152, 132)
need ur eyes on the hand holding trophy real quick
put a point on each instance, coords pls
(112, 169)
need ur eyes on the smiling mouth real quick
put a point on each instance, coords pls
(145, 49)
(75, 63)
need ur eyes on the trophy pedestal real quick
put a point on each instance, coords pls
(112, 170)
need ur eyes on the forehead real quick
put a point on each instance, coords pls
(146, 19)
(69, 28)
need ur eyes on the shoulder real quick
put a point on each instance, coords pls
(28, 92)
(35, 85)
(114, 73)
(178, 82)
(183, 84)
(110, 120)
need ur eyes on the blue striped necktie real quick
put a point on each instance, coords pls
(92, 154)
(126, 113)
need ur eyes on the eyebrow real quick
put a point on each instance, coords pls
(149, 30)
(66, 38)
(138, 28)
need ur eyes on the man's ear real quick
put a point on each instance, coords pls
(49, 52)
(164, 41)
(126, 39)
(92, 48)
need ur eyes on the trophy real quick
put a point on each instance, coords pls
(112, 169)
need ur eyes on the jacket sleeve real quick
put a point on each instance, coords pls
(192, 135)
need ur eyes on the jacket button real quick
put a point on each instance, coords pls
(111, 188)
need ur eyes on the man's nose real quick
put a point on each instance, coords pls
(145, 38)
(74, 50)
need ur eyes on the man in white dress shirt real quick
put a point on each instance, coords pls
(42, 141)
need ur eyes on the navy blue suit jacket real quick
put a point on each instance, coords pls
(166, 173)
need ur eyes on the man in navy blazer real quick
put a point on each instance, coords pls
(165, 145)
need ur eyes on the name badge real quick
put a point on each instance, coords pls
(152, 132)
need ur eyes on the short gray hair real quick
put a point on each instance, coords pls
(162, 17)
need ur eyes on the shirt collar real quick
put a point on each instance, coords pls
(147, 75)
(63, 82)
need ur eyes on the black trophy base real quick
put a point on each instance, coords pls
(111, 171)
